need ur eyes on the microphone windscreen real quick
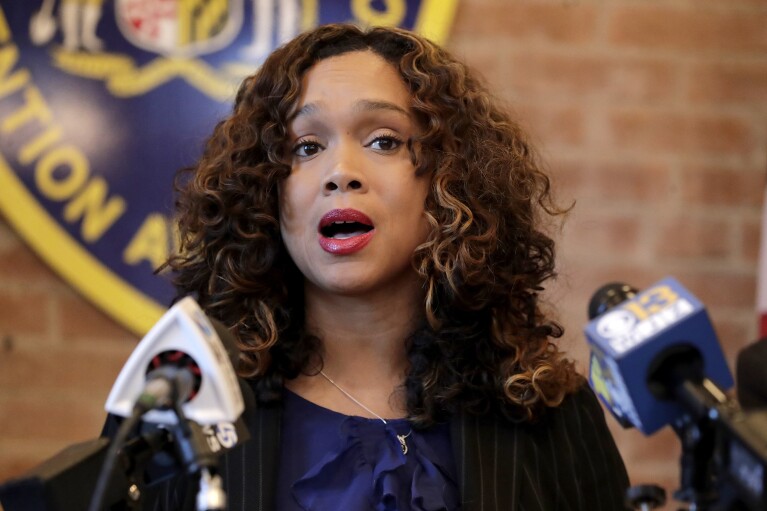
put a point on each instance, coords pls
(751, 375)
(608, 296)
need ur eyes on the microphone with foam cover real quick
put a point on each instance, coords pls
(751, 371)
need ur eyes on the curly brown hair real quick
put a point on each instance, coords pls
(485, 344)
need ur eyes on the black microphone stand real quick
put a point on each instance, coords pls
(197, 456)
(724, 450)
(49, 486)
(697, 431)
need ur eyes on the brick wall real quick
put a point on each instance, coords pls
(651, 114)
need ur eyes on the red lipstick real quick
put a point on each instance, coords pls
(345, 231)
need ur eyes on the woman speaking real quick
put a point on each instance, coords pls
(371, 226)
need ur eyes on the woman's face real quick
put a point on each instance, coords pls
(352, 209)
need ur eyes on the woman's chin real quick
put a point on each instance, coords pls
(344, 286)
(359, 284)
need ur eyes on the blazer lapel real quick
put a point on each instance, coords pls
(254, 463)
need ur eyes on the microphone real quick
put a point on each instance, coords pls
(184, 358)
(644, 346)
(656, 360)
(751, 377)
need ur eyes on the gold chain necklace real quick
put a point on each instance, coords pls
(401, 438)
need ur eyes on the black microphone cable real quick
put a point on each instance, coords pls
(165, 387)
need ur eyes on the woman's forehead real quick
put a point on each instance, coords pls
(361, 79)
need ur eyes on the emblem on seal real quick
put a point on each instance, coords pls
(102, 101)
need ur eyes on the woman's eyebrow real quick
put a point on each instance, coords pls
(367, 105)
(363, 105)
(307, 109)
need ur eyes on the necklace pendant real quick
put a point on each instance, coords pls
(402, 442)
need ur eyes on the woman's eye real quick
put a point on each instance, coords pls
(304, 149)
(385, 143)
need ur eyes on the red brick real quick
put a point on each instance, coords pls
(673, 132)
(753, 5)
(736, 83)
(24, 311)
(722, 186)
(693, 238)
(551, 126)
(525, 21)
(79, 318)
(733, 333)
(585, 275)
(719, 288)
(490, 66)
(611, 181)
(20, 264)
(582, 77)
(618, 232)
(52, 418)
(751, 236)
(36, 368)
(8, 238)
(690, 29)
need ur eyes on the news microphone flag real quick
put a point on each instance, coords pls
(184, 331)
(630, 339)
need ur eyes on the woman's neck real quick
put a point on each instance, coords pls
(363, 349)
(359, 332)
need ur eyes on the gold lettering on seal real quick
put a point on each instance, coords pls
(151, 242)
(61, 171)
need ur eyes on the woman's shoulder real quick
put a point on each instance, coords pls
(578, 420)
(576, 438)
(582, 401)
(578, 408)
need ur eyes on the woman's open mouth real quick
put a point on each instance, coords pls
(345, 231)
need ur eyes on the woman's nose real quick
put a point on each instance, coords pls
(345, 175)
(342, 182)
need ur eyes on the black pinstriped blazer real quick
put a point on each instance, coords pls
(567, 461)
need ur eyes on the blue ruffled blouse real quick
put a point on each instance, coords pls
(331, 461)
